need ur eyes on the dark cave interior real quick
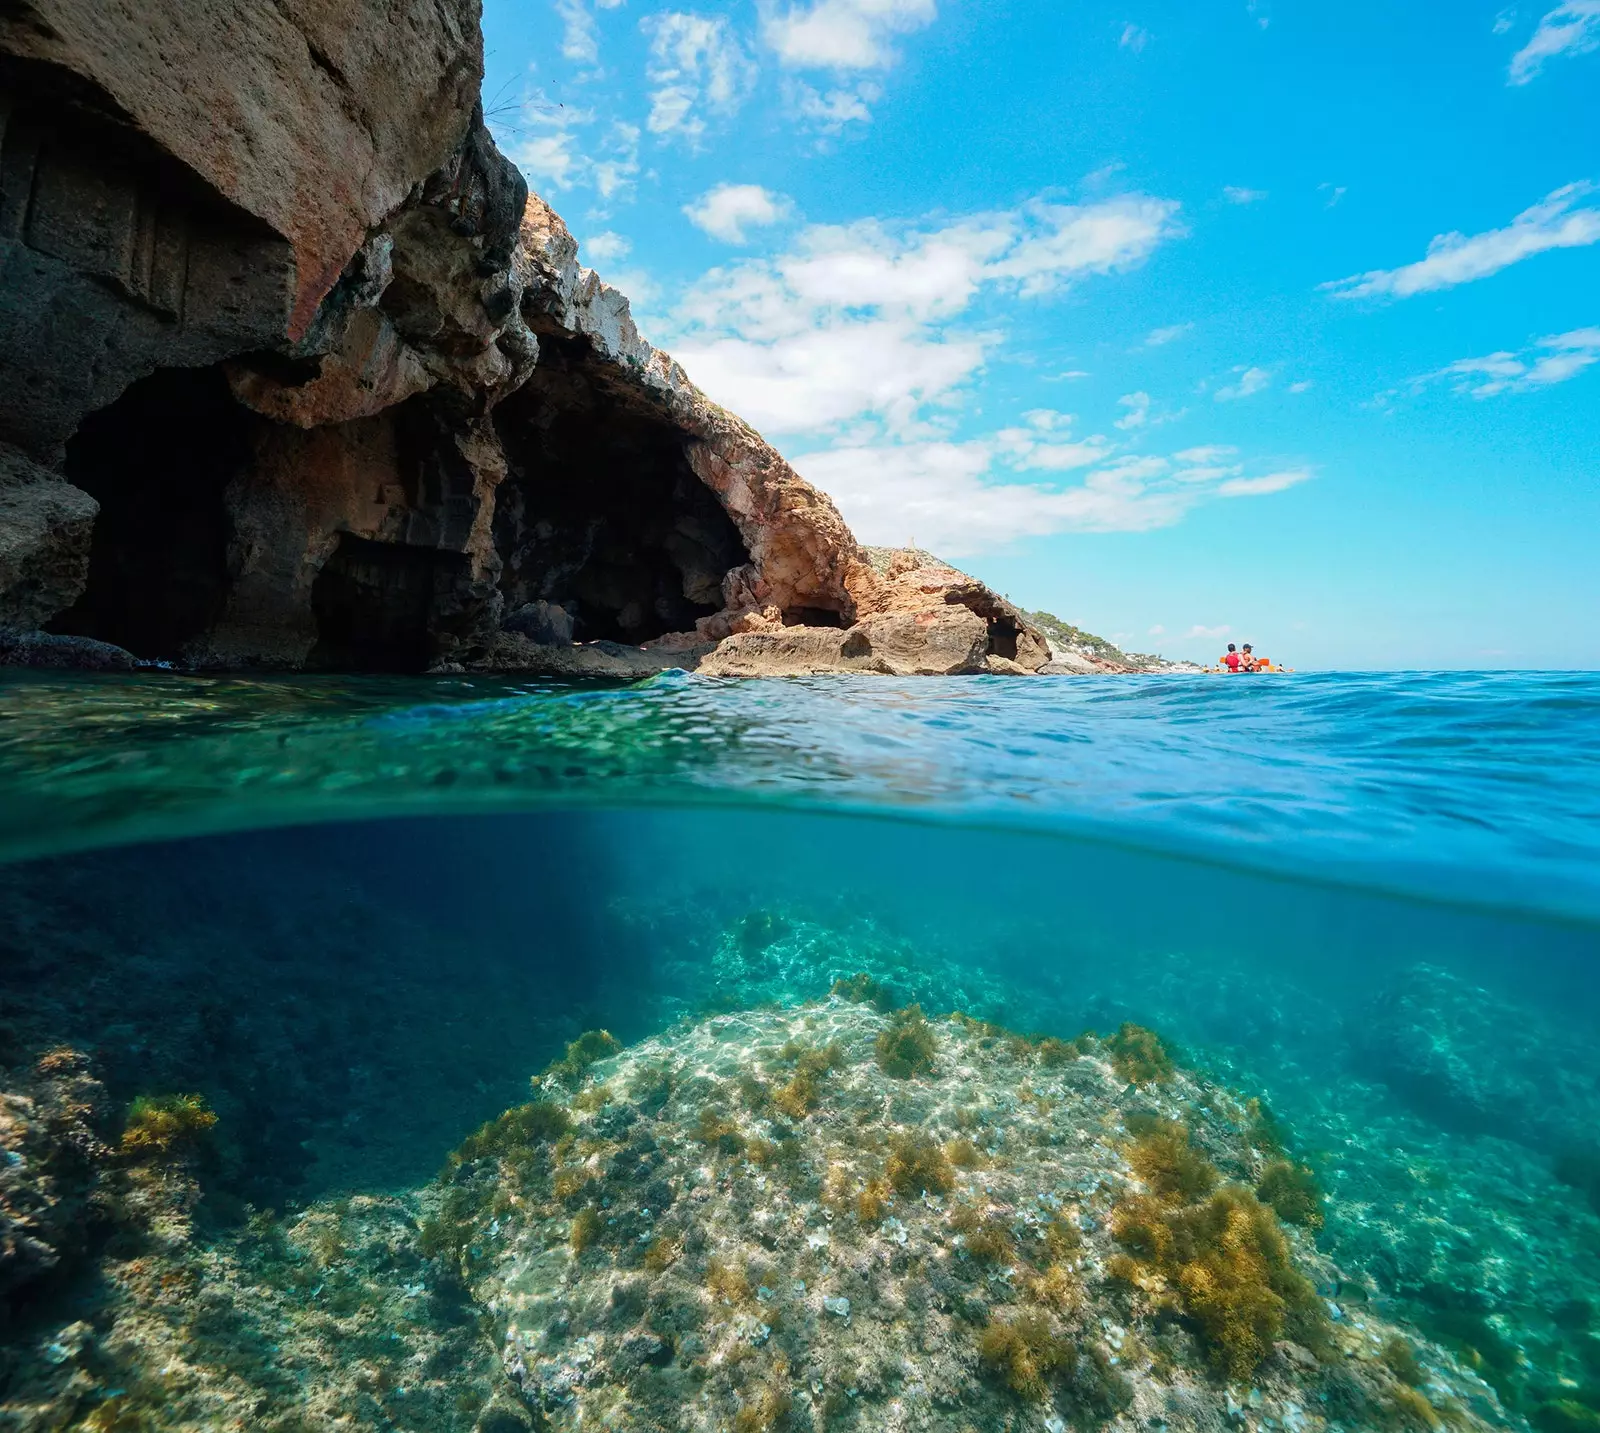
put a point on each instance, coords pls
(601, 513)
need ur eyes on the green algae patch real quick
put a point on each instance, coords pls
(1228, 1265)
(1025, 1351)
(588, 1049)
(1293, 1192)
(1139, 1056)
(166, 1126)
(1164, 1157)
(515, 1132)
(907, 1046)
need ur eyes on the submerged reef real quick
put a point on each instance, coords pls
(995, 1239)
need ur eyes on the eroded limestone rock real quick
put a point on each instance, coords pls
(345, 397)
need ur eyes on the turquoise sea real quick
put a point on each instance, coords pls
(352, 917)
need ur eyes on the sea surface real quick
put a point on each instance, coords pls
(356, 915)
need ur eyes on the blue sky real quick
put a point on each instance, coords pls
(1190, 322)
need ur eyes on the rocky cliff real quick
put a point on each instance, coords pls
(295, 373)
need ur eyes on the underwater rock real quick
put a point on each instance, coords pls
(815, 1270)
(54, 1167)
(344, 397)
(1477, 1062)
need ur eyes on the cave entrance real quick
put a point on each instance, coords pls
(158, 461)
(375, 603)
(601, 513)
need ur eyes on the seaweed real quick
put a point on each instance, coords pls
(588, 1049)
(166, 1126)
(803, 1093)
(1229, 1262)
(514, 1134)
(1139, 1057)
(714, 1128)
(1025, 1352)
(1164, 1157)
(872, 1201)
(728, 1282)
(986, 1238)
(586, 1228)
(1398, 1357)
(864, 990)
(1293, 1192)
(1053, 1052)
(963, 1153)
(917, 1166)
(908, 1045)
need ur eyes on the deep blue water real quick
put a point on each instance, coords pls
(1374, 899)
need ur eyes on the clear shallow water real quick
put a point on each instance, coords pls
(1479, 787)
(356, 916)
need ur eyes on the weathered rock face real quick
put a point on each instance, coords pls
(299, 375)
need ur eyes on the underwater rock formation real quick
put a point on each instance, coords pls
(761, 1220)
(298, 374)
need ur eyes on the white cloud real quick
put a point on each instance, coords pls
(959, 498)
(728, 210)
(1160, 336)
(1569, 29)
(548, 151)
(1214, 453)
(1234, 194)
(1555, 222)
(855, 321)
(1138, 414)
(1504, 21)
(1208, 632)
(1303, 386)
(696, 63)
(843, 34)
(1259, 487)
(857, 341)
(1335, 193)
(1133, 37)
(1157, 631)
(1061, 242)
(832, 111)
(1250, 382)
(580, 37)
(1551, 360)
(606, 248)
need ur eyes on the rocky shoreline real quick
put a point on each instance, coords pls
(259, 415)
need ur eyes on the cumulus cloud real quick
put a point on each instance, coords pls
(972, 496)
(1559, 221)
(843, 34)
(606, 248)
(858, 344)
(1552, 360)
(1138, 414)
(830, 111)
(727, 211)
(1249, 382)
(548, 148)
(1569, 29)
(857, 321)
(697, 63)
(1234, 194)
